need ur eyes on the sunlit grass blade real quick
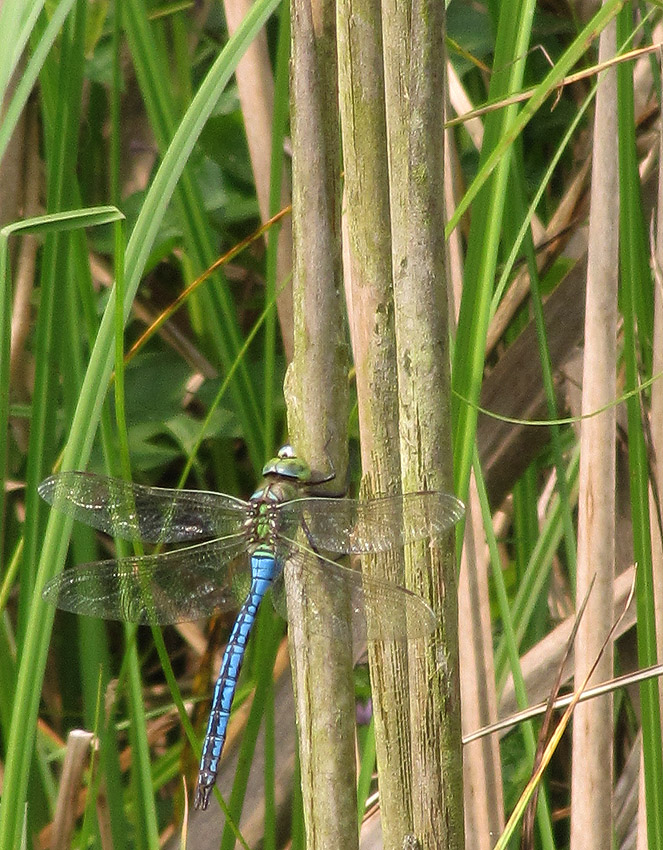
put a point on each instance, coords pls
(34, 65)
(17, 21)
(636, 309)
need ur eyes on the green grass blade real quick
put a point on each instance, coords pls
(146, 832)
(270, 826)
(366, 771)
(484, 239)
(536, 575)
(543, 810)
(35, 63)
(63, 149)
(17, 21)
(636, 279)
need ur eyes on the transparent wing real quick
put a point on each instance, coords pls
(351, 525)
(379, 609)
(134, 512)
(185, 584)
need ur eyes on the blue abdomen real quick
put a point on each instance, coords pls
(263, 571)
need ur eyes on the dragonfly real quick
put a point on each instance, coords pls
(233, 552)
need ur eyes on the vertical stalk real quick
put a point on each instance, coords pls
(371, 309)
(591, 814)
(656, 489)
(317, 394)
(415, 86)
(255, 86)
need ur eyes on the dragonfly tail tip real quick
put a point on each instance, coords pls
(202, 795)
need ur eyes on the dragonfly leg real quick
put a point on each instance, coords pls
(263, 566)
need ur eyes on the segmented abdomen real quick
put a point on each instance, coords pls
(263, 568)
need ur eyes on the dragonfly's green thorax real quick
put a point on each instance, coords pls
(284, 478)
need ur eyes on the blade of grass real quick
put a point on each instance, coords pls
(61, 133)
(592, 762)
(17, 21)
(93, 650)
(518, 203)
(513, 31)
(7, 660)
(544, 732)
(543, 186)
(636, 279)
(62, 147)
(147, 831)
(543, 810)
(34, 65)
(366, 771)
(565, 700)
(225, 258)
(532, 582)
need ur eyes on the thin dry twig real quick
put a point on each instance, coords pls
(527, 839)
(556, 736)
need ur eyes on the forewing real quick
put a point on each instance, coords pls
(170, 587)
(376, 525)
(134, 512)
(379, 609)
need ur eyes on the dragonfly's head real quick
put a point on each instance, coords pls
(287, 465)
